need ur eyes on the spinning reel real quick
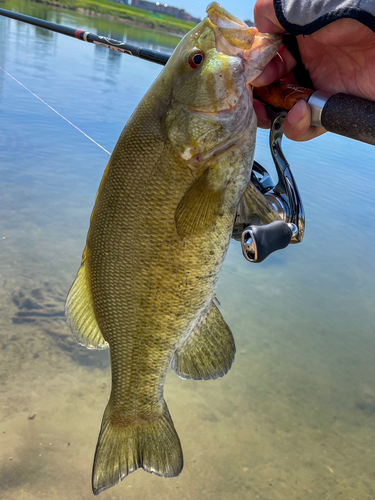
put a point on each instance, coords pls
(272, 215)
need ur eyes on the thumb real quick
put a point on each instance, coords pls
(297, 124)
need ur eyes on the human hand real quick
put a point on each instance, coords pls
(339, 58)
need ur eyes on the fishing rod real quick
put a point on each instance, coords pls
(342, 114)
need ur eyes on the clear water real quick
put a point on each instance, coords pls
(295, 416)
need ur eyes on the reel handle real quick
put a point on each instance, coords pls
(258, 242)
(266, 202)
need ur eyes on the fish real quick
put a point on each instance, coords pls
(159, 232)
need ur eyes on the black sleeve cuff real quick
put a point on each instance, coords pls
(295, 28)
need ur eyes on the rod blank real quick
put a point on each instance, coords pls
(86, 36)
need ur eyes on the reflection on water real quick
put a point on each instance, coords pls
(295, 416)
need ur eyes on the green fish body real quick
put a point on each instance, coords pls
(158, 236)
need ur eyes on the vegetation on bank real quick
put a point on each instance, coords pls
(126, 13)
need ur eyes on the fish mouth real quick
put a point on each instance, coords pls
(233, 37)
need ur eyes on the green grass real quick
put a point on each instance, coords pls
(127, 12)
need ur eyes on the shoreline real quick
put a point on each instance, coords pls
(173, 30)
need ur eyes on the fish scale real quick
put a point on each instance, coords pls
(159, 233)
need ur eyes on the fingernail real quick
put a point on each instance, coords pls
(298, 113)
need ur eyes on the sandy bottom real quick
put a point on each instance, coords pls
(273, 428)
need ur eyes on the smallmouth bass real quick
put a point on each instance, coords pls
(178, 171)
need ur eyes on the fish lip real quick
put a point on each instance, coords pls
(215, 12)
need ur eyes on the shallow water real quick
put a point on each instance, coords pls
(295, 416)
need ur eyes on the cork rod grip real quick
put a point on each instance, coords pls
(281, 95)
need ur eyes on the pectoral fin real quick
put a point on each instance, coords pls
(254, 207)
(79, 311)
(199, 207)
(209, 352)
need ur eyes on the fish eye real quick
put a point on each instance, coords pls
(195, 58)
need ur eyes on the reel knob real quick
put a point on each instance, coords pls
(258, 242)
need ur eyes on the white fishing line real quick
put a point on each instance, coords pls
(54, 110)
(70, 123)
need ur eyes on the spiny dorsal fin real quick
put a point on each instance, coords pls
(198, 208)
(209, 351)
(80, 314)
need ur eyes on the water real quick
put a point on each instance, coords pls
(295, 416)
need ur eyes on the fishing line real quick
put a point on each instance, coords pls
(54, 110)
(70, 123)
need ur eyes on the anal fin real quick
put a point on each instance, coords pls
(79, 311)
(209, 351)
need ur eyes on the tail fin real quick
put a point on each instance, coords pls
(152, 445)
